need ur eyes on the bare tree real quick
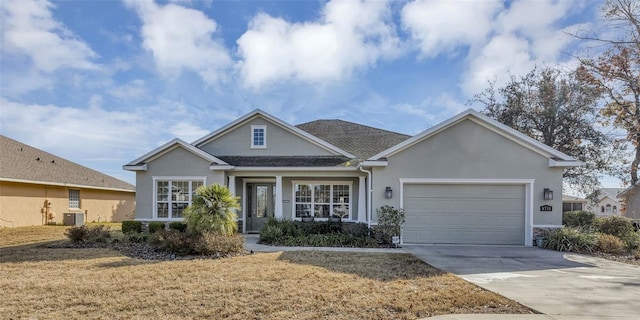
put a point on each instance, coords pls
(616, 71)
(561, 111)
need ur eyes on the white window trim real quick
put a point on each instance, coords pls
(69, 200)
(171, 178)
(314, 182)
(253, 128)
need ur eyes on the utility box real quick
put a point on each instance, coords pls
(73, 219)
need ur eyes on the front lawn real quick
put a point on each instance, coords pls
(44, 283)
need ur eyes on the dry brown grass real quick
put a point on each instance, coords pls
(46, 283)
(26, 235)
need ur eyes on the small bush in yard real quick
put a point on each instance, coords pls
(138, 237)
(271, 234)
(571, 239)
(86, 234)
(390, 222)
(173, 241)
(615, 226)
(130, 226)
(578, 218)
(211, 243)
(178, 226)
(610, 244)
(155, 226)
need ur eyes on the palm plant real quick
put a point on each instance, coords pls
(212, 210)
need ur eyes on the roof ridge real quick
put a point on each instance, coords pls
(351, 122)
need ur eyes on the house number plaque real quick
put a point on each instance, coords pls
(546, 207)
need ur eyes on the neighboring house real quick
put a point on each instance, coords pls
(631, 199)
(37, 188)
(609, 203)
(467, 180)
(572, 203)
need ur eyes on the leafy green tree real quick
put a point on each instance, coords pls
(213, 211)
(560, 110)
(616, 71)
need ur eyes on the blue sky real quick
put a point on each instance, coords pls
(103, 82)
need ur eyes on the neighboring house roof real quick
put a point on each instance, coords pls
(259, 113)
(556, 158)
(22, 163)
(360, 140)
(569, 198)
(280, 161)
(140, 163)
(613, 193)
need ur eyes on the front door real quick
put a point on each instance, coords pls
(260, 202)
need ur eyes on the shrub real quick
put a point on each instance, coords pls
(330, 240)
(131, 226)
(137, 237)
(213, 211)
(211, 243)
(155, 226)
(85, 234)
(620, 227)
(632, 241)
(77, 234)
(610, 244)
(578, 218)
(178, 226)
(356, 229)
(271, 234)
(173, 241)
(390, 222)
(571, 239)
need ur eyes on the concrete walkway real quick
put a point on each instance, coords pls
(556, 284)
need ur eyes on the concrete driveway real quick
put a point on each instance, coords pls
(561, 285)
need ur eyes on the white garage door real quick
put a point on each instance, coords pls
(464, 214)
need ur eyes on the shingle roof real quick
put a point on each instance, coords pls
(21, 162)
(360, 140)
(288, 161)
(611, 192)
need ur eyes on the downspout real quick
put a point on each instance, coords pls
(370, 200)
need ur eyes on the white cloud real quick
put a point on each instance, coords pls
(182, 39)
(29, 29)
(349, 36)
(441, 26)
(187, 131)
(501, 38)
(133, 90)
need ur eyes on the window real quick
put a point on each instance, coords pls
(258, 137)
(615, 209)
(608, 208)
(602, 209)
(322, 200)
(74, 199)
(174, 195)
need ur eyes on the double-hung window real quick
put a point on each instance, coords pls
(74, 199)
(322, 199)
(258, 136)
(173, 195)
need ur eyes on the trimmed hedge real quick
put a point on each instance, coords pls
(155, 226)
(131, 226)
(316, 234)
(178, 226)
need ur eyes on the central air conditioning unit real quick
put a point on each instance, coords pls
(73, 219)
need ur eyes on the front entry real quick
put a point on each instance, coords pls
(261, 204)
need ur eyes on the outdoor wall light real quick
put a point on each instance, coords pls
(548, 194)
(388, 193)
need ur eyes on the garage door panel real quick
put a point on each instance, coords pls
(464, 214)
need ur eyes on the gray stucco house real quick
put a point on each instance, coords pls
(467, 180)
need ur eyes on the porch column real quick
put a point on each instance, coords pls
(362, 200)
(232, 185)
(278, 208)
